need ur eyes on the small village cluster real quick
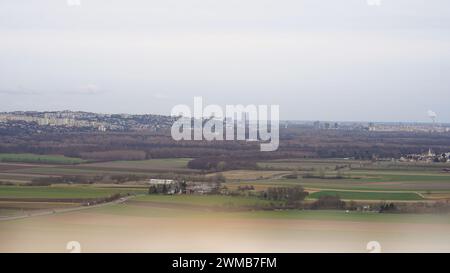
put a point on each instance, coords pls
(429, 157)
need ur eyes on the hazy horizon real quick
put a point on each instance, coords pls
(317, 59)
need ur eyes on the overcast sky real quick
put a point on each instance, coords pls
(317, 59)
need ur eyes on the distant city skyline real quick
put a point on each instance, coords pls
(283, 121)
(318, 59)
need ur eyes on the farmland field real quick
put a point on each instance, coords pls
(20, 172)
(321, 177)
(68, 170)
(205, 200)
(330, 164)
(249, 174)
(238, 223)
(168, 164)
(34, 158)
(305, 164)
(62, 192)
(370, 180)
(137, 228)
(23, 200)
(364, 195)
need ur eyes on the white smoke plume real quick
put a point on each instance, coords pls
(432, 115)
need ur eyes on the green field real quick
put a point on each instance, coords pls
(205, 200)
(35, 158)
(131, 208)
(400, 176)
(300, 165)
(353, 216)
(62, 192)
(371, 180)
(75, 170)
(331, 163)
(163, 164)
(361, 195)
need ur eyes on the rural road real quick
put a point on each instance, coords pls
(55, 211)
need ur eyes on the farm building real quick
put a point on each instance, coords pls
(166, 186)
(200, 188)
(161, 182)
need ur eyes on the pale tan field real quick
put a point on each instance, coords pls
(133, 228)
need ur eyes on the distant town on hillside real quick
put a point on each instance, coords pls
(33, 121)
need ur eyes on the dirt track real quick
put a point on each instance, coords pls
(63, 210)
